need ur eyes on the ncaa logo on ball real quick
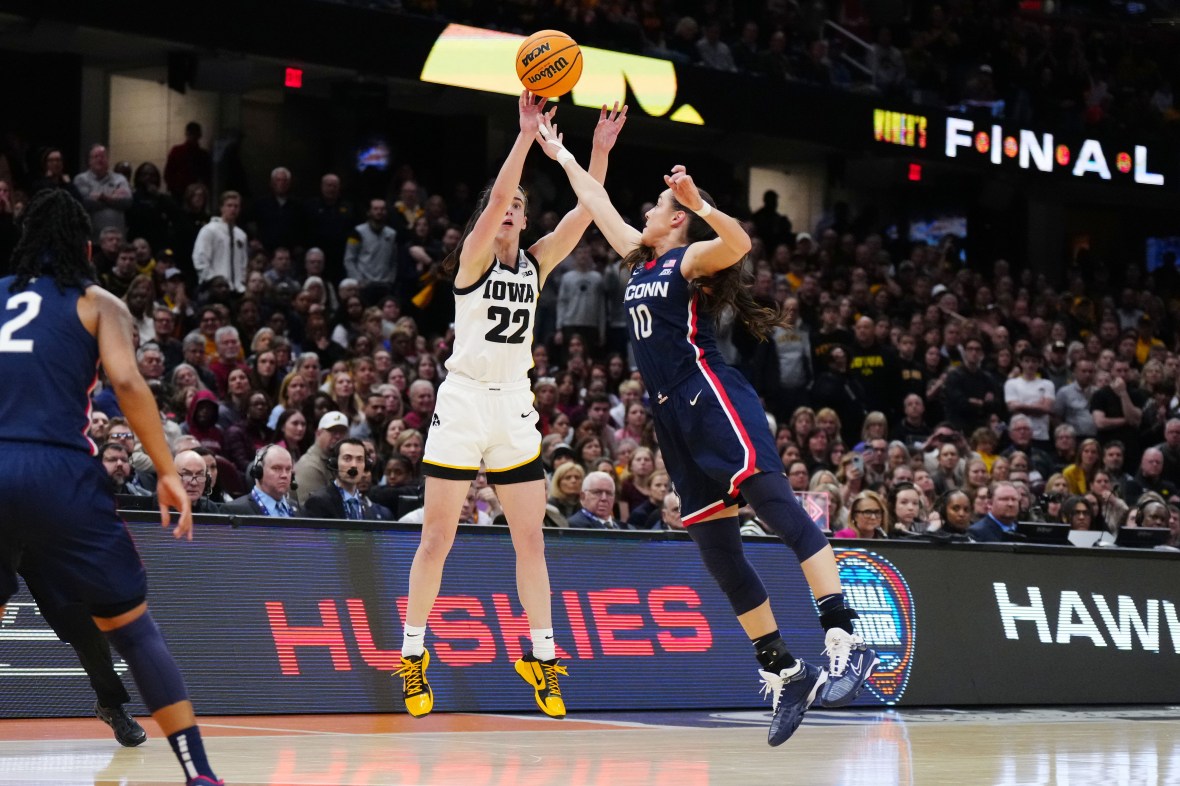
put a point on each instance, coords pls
(535, 53)
(882, 599)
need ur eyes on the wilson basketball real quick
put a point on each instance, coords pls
(549, 63)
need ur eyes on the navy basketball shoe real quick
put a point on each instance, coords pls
(127, 730)
(850, 664)
(792, 691)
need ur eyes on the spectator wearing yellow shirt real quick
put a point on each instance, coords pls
(1145, 340)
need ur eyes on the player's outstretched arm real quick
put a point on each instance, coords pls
(477, 246)
(558, 244)
(112, 327)
(706, 257)
(622, 237)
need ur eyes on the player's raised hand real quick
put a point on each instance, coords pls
(532, 110)
(550, 139)
(171, 493)
(610, 123)
(684, 189)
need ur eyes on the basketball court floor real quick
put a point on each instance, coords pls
(1084, 747)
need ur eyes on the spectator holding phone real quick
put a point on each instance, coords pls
(851, 476)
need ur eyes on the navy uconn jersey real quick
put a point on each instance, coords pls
(671, 337)
(494, 319)
(708, 420)
(48, 364)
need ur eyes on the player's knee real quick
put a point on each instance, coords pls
(772, 498)
(435, 545)
(529, 545)
(809, 543)
(721, 550)
(141, 644)
(737, 579)
(801, 534)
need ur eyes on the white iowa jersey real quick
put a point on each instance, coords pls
(494, 320)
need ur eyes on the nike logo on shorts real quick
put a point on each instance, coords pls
(526, 414)
(693, 402)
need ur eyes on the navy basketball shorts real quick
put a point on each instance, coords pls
(713, 435)
(57, 512)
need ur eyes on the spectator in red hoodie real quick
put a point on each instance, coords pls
(201, 421)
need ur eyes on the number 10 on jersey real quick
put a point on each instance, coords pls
(641, 320)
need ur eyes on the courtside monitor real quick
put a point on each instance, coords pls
(1044, 532)
(135, 502)
(1142, 537)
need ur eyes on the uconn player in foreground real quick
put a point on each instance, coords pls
(684, 268)
(56, 509)
(485, 408)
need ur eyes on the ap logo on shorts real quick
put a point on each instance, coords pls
(881, 596)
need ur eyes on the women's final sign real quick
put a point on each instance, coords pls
(966, 140)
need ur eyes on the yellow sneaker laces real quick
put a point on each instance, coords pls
(551, 671)
(411, 673)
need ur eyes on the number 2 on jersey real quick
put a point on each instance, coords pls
(505, 319)
(641, 321)
(31, 302)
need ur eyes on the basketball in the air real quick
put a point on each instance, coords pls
(549, 63)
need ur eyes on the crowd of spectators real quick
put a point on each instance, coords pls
(916, 392)
(1058, 65)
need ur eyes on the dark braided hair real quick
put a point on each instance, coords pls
(55, 232)
(725, 289)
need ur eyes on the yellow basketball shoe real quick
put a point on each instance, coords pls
(542, 675)
(415, 689)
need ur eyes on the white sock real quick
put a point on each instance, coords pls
(413, 640)
(543, 646)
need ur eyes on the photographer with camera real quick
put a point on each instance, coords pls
(1049, 508)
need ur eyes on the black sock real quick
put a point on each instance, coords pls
(190, 751)
(834, 612)
(772, 652)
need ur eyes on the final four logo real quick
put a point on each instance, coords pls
(882, 598)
